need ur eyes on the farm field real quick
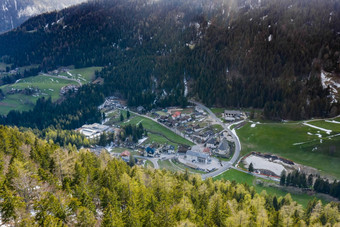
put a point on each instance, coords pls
(240, 177)
(301, 143)
(44, 85)
(47, 87)
(84, 75)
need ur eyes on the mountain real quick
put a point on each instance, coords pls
(253, 54)
(15, 12)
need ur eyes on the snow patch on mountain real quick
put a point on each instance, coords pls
(328, 81)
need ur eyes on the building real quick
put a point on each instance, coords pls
(193, 156)
(94, 130)
(150, 152)
(224, 148)
(232, 115)
(125, 153)
(183, 149)
(211, 143)
(140, 109)
(176, 115)
(207, 150)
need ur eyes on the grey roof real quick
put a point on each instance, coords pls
(224, 145)
(212, 140)
(197, 154)
(236, 112)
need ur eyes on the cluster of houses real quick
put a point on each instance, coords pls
(112, 103)
(69, 88)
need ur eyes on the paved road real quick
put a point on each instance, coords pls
(153, 160)
(226, 165)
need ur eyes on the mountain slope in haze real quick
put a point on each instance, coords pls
(261, 54)
(15, 12)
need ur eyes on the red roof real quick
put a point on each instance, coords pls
(177, 114)
(125, 153)
(206, 150)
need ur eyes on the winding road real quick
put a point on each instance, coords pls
(226, 165)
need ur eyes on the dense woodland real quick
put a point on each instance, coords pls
(261, 54)
(43, 184)
(73, 112)
(300, 179)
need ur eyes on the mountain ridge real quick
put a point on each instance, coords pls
(15, 12)
(266, 54)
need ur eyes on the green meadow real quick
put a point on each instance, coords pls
(296, 141)
(240, 177)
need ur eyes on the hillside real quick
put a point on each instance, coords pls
(43, 184)
(266, 54)
(15, 12)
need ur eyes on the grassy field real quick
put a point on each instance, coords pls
(217, 111)
(240, 177)
(154, 138)
(148, 163)
(3, 66)
(84, 75)
(48, 87)
(174, 167)
(297, 142)
(327, 125)
(152, 127)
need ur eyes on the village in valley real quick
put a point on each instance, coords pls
(180, 139)
(185, 138)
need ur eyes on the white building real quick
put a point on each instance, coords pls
(94, 130)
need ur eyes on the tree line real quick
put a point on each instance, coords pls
(44, 184)
(227, 62)
(300, 180)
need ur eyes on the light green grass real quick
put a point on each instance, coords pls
(240, 177)
(84, 75)
(217, 111)
(187, 110)
(166, 164)
(154, 138)
(217, 128)
(148, 163)
(153, 127)
(234, 175)
(326, 125)
(3, 66)
(279, 138)
(175, 167)
(161, 113)
(48, 87)
(18, 102)
(121, 149)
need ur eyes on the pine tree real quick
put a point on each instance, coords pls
(251, 167)
(283, 178)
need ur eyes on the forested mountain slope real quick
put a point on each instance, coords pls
(44, 184)
(15, 12)
(262, 54)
